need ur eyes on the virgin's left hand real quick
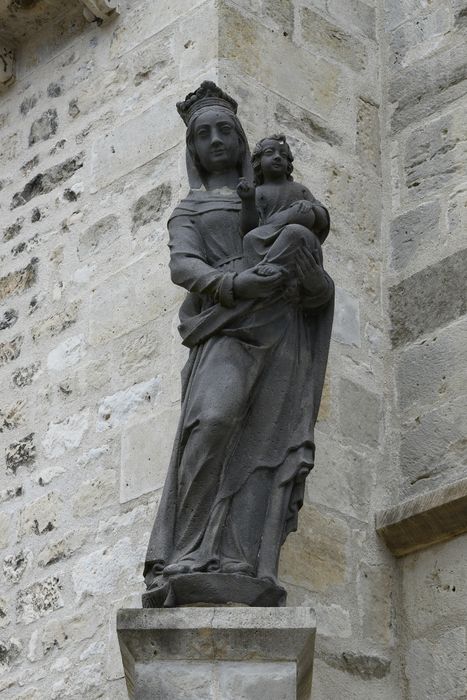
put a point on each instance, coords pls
(311, 274)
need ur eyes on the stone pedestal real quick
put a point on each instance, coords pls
(226, 653)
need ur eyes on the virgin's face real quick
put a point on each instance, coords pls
(216, 141)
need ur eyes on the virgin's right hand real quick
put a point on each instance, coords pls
(249, 285)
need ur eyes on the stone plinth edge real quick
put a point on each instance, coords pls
(224, 634)
(425, 520)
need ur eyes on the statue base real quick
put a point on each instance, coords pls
(214, 589)
(228, 653)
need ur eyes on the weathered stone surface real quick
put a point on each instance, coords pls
(247, 46)
(146, 450)
(311, 126)
(436, 154)
(38, 600)
(151, 206)
(63, 548)
(365, 666)
(320, 538)
(67, 354)
(40, 517)
(9, 654)
(57, 323)
(65, 435)
(333, 621)
(421, 89)
(11, 417)
(281, 13)
(44, 127)
(120, 305)
(346, 326)
(437, 669)
(95, 494)
(9, 351)
(433, 369)
(4, 617)
(15, 565)
(414, 41)
(8, 319)
(360, 413)
(457, 212)
(376, 607)
(99, 235)
(428, 299)
(356, 14)
(24, 376)
(27, 104)
(368, 133)
(116, 409)
(10, 493)
(413, 234)
(108, 569)
(20, 454)
(18, 281)
(434, 444)
(47, 181)
(14, 229)
(333, 41)
(4, 530)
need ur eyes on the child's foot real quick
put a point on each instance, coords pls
(267, 270)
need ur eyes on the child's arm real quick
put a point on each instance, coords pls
(249, 217)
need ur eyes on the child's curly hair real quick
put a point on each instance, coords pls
(258, 152)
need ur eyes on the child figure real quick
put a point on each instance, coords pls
(280, 220)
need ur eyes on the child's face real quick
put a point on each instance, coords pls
(274, 160)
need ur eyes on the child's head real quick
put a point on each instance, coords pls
(266, 159)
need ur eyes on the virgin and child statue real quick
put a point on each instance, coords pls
(245, 244)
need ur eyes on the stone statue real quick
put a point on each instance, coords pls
(257, 319)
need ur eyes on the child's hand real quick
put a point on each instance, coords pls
(245, 190)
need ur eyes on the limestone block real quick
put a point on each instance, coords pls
(117, 409)
(58, 322)
(414, 41)
(15, 565)
(209, 653)
(434, 586)
(429, 85)
(63, 548)
(457, 213)
(432, 370)
(434, 443)
(435, 154)
(10, 651)
(40, 516)
(428, 299)
(109, 569)
(315, 556)
(295, 120)
(334, 42)
(38, 600)
(333, 621)
(436, 669)
(44, 127)
(414, 234)
(4, 616)
(20, 454)
(10, 350)
(135, 142)
(354, 14)
(45, 182)
(346, 326)
(145, 19)
(95, 494)
(374, 589)
(281, 12)
(368, 133)
(7, 64)
(67, 354)
(130, 298)
(247, 46)
(151, 206)
(99, 235)
(65, 435)
(146, 450)
(347, 491)
(25, 376)
(330, 682)
(19, 281)
(360, 413)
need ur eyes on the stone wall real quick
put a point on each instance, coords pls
(425, 53)
(92, 164)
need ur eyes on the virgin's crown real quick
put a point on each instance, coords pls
(208, 94)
